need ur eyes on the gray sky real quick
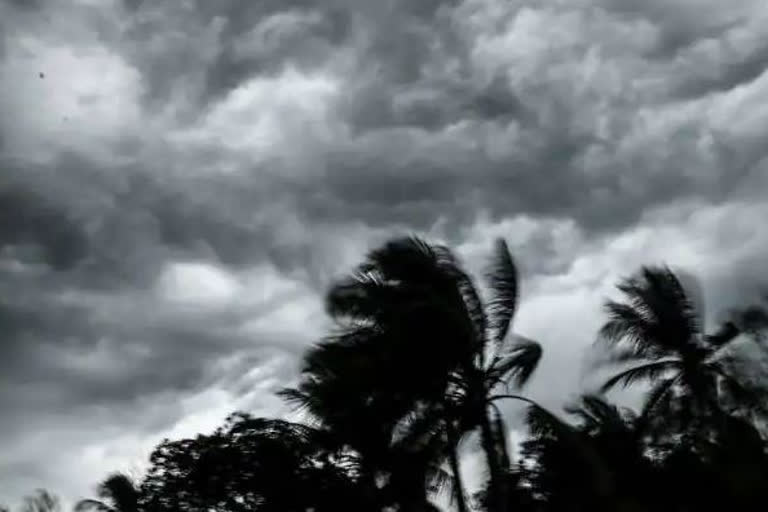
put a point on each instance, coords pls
(180, 181)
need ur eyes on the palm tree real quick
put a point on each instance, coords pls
(118, 493)
(363, 425)
(565, 467)
(618, 437)
(41, 501)
(657, 330)
(414, 337)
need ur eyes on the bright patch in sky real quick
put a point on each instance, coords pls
(197, 284)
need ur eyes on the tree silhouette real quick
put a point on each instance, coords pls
(417, 363)
(658, 331)
(41, 501)
(563, 465)
(249, 464)
(415, 344)
(117, 493)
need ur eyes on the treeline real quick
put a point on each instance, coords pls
(418, 364)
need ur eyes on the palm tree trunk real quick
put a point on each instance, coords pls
(501, 433)
(453, 457)
(496, 482)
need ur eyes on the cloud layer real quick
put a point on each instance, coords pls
(180, 180)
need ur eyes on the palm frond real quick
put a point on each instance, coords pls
(474, 308)
(654, 401)
(409, 259)
(629, 330)
(540, 419)
(360, 297)
(121, 490)
(665, 296)
(691, 286)
(419, 426)
(293, 396)
(656, 318)
(41, 501)
(303, 402)
(596, 413)
(503, 282)
(345, 351)
(517, 365)
(636, 374)
(617, 356)
(541, 422)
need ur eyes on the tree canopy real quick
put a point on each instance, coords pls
(414, 370)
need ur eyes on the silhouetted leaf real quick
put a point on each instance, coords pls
(503, 282)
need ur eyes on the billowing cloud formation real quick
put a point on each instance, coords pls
(180, 180)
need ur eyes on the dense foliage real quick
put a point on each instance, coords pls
(415, 368)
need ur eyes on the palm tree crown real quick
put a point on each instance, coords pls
(657, 330)
(415, 343)
(117, 493)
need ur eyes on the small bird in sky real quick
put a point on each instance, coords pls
(42, 75)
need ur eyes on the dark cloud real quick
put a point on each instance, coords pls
(734, 72)
(208, 49)
(683, 23)
(26, 218)
(26, 4)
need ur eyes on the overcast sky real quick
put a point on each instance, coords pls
(180, 181)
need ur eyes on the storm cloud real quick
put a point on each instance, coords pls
(180, 180)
